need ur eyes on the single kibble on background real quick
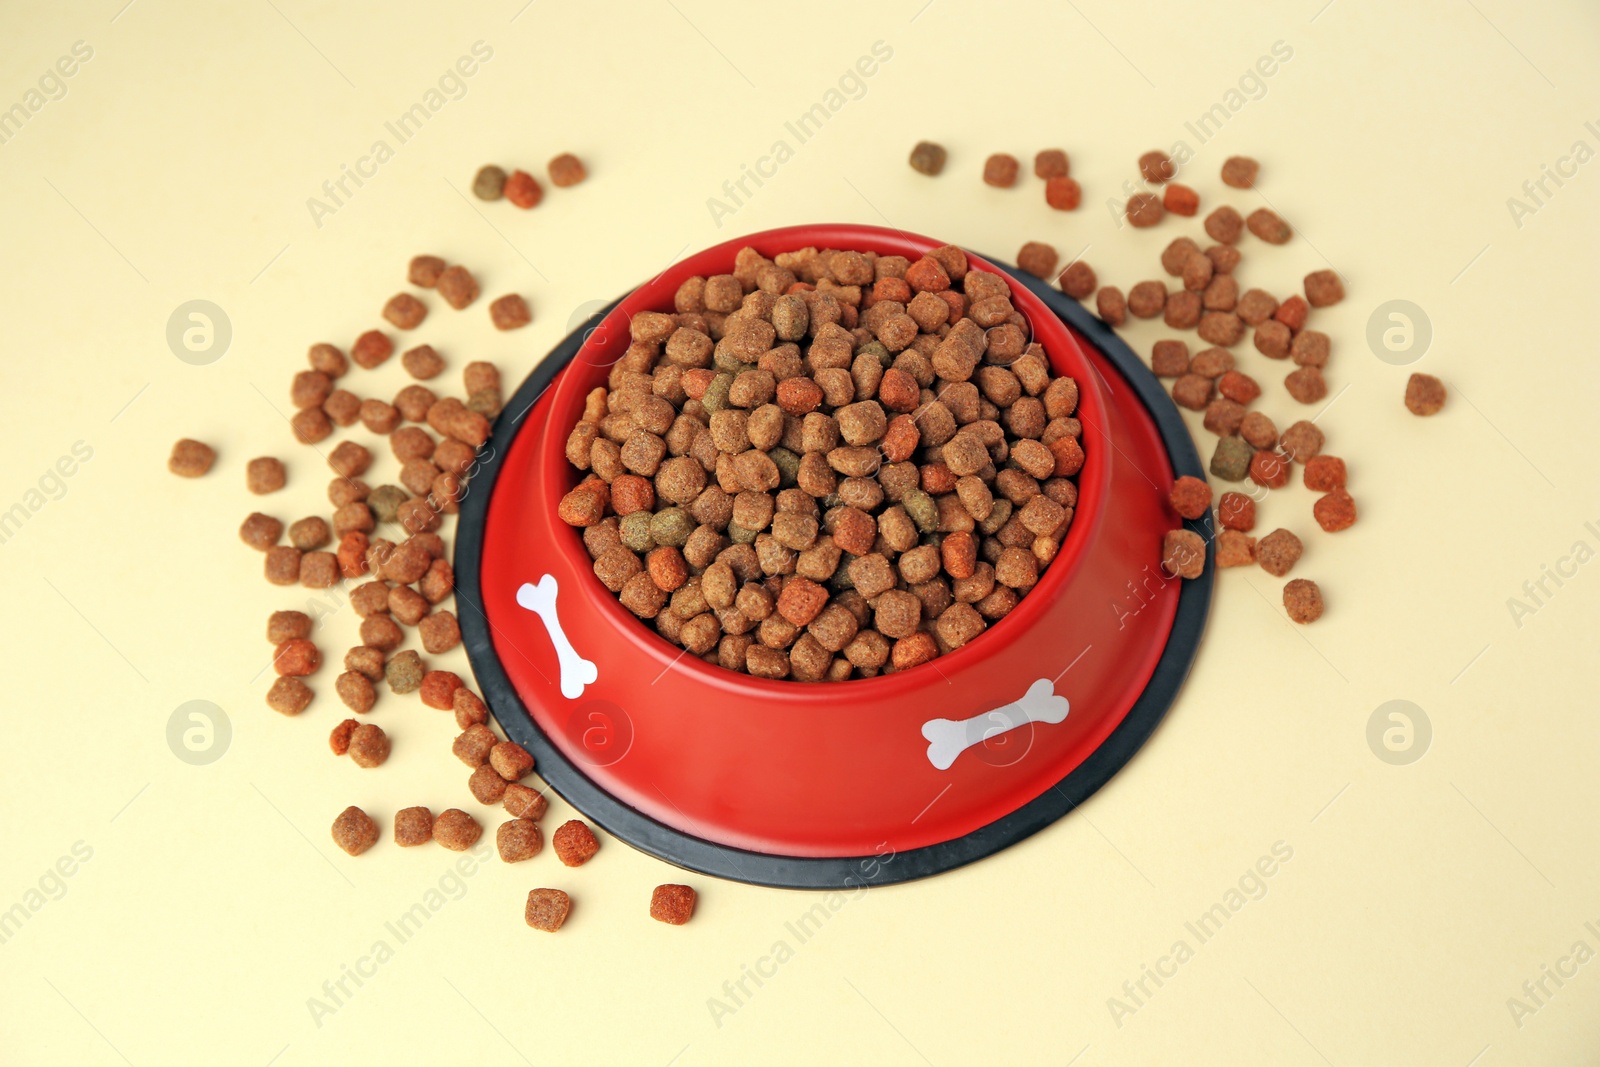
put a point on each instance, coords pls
(1235, 511)
(191, 458)
(366, 661)
(1302, 600)
(1306, 385)
(438, 689)
(369, 745)
(524, 802)
(566, 170)
(371, 349)
(1301, 441)
(510, 312)
(457, 286)
(289, 696)
(287, 625)
(473, 745)
(1235, 549)
(1425, 394)
(264, 474)
(422, 362)
(574, 843)
(1324, 473)
(1063, 193)
(423, 271)
(1111, 305)
(1224, 225)
(517, 840)
(1050, 163)
(1180, 200)
(356, 691)
(488, 184)
(456, 830)
(1324, 288)
(1157, 167)
(1144, 210)
(1000, 170)
(343, 407)
(1038, 259)
(404, 311)
(1183, 553)
(927, 158)
(404, 671)
(1278, 552)
(1336, 511)
(1231, 459)
(523, 190)
(412, 827)
(354, 831)
(547, 909)
(672, 904)
(1078, 280)
(327, 359)
(296, 657)
(486, 786)
(1265, 224)
(1240, 172)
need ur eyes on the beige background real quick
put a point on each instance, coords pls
(1419, 898)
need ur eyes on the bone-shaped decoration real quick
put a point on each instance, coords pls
(576, 672)
(948, 738)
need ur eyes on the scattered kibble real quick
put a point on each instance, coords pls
(1000, 170)
(1278, 552)
(518, 840)
(1240, 172)
(1302, 600)
(1038, 259)
(547, 909)
(354, 831)
(510, 312)
(927, 158)
(1050, 163)
(672, 904)
(456, 830)
(191, 458)
(458, 287)
(412, 827)
(369, 745)
(288, 696)
(566, 170)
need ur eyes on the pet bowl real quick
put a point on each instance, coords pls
(832, 784)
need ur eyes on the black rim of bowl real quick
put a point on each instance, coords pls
(834, 872)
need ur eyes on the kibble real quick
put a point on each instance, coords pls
(456, 830)
(510, 312)
(1324, 288)
(191, 458)
(927, 158)
(261, 532)
(369, 745)
(574, 843)
(1038, 259)
(354, 831)
(547, 909)
(1240, 172)
(1063, 193)
(523, 190)
(356, 691)
(518, 840)
(1050, 163)
(566, 170)
(458, 287)
(412, 827)
(1265, 224)
(1424, 394)
(1078, 280)
(1000, 170)
(404, 311)
(1336, 511)
(289, 696)
(1190, 497)
(1183, 553)
(1324, 473)
(488, 184)
(1302, 600)
(672, 904)
(1144, 210)
(1278, 552)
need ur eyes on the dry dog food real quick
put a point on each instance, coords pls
(260, 531)
(1265, 224)
(404, 311)
(456, 830)
(1235, 549)
(525, 803)
(405, 671)
(1231, 459)
(1111, 305)
(423, 271)
(288, 696)
(263, 475)
(1301, 441)
(1078, 280)
(518, 840)
(830, 451)
(547, 909)
(1000, 170)
(354, 831)
(511, 761)
(1306, 384)
(927, 158)
(1190, 497)
(672, 904)
(1235, 511)
(422, 362)
(523, 190)
(1157, 167)
(1278, 552)
(1050, 163)
(510, 312)
(438, 689)
(288, 625)
(1424, 394)
(1063, 193)
(356, 691)
(488, 184)
(1302, 600)
(474, 744)
(1038, 259)
(566, 170)
(1180, 200)
(191, 458)
(458, 287)
(412, 827)
(1240, 172)
(369, 745)
(1324, 473)
(339, 737)
(1183, 553)
(1336, 511)
(1224, 225)
(1323, 288)
(486, 786)
(296, 658)
(575, 843)
(1144, 210)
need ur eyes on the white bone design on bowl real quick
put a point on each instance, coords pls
(576, 672)
(948, 738)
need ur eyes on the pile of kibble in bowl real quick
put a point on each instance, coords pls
(829, 464)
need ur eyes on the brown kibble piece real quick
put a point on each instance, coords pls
(485, 785)
(264, 474)
(1078, 280)
(511, 761)
(191, 458)
(438, 689)
(1157, 167)
(1000, 170)
(1144, 210)
(1183, 553)
(356, 691)
(510, 312)
(1235, 511)
(1424, 394)
(1324, 288)
(1224, 225)
(1190, 497)
(1306, 384)
(1038, 259)
(412, 827)
(547, 909)
(1240, 172)
(518, 840)
(423, 271)
(1278, 552)
(523, 190)
(1063, 193)
(458, 287)
(672, 904)
(354, 831)
(1336, 511)
(473, 745)
(456, 830)
(1265, 224)
(296, 657)
(261, 532)
(1235, 549)
(1050, 163)
(1302, 600)
(524, 802)
(1324, 473)
(927, 158)
(566, 170)
(288, 696)
(369, 745)
(574, 843)
(404, 311)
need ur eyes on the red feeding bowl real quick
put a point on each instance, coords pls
(833, 784)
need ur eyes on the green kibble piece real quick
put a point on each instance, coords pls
(728, 363)
(490, 183)
(998, 517)
(634, 530)
(485, 402)
(671, 526)
(741, 536)
(716, 394)
(923, 511)
(404, 672)
(788, 466)
(385, 502)
(841, 581)
(1231, 460)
